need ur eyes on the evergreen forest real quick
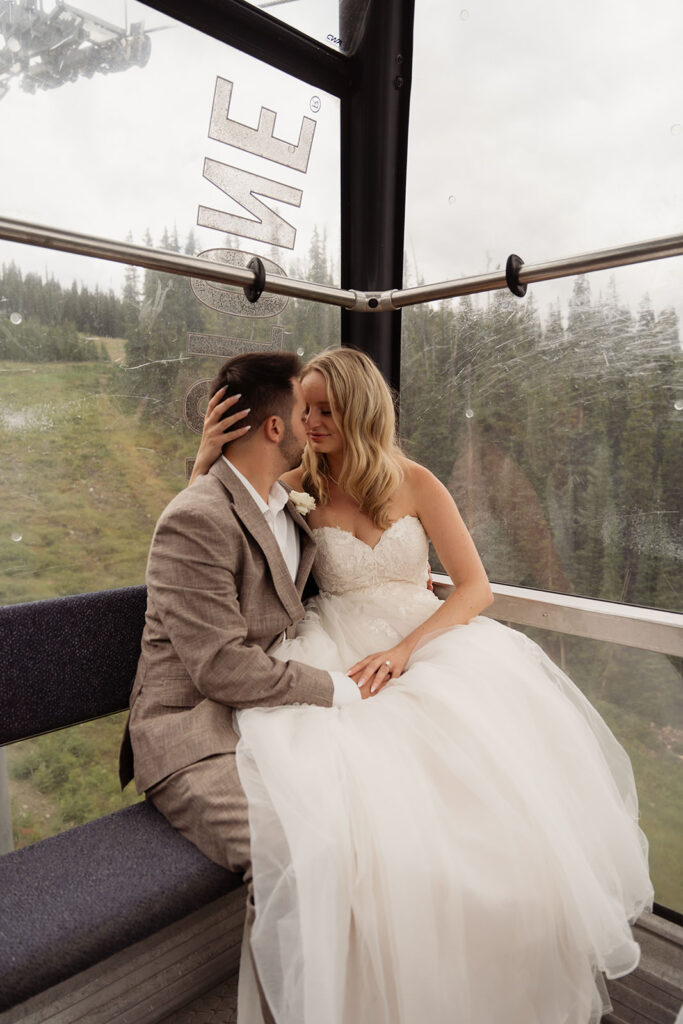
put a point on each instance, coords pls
(556, 430)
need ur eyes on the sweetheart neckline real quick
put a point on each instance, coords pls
(365, 544)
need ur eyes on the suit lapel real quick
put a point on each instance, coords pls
(307, 546)
(252, 519)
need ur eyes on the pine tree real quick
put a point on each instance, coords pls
(131, 297)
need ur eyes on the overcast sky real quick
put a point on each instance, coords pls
(541, 128)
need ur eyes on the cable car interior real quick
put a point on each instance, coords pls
(482, 196)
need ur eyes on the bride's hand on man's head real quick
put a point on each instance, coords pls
(374, 672)
(217, 431)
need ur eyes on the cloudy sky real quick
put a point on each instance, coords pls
(541, 128)
(547, 129)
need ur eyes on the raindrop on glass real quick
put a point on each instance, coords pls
(678, 405)
(300, 352)
(676, 129)
(16, 537)
(464, 14)
(469, 413)
(451, 199)
(15, 318)
(315, 104)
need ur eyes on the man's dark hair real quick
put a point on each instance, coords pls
(264, 379)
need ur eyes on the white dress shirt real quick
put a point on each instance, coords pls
(281, 525)
(286, 533)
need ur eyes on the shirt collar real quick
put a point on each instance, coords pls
(277, 499)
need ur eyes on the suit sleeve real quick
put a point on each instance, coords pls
(193, 590)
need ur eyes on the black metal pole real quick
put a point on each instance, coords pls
(259, 34)
(374, 149)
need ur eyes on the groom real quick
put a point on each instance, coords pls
(227, 566)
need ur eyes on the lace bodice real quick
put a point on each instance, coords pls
(344, 563)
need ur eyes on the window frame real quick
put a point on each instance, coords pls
(373, 143)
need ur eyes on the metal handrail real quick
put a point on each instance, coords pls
(358, 301)
(602, 259)
(166, 261)
(649, 629)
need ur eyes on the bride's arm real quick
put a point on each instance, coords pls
(217, 431)
(444, 526)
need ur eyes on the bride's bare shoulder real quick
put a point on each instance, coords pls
(417, 484)
(293, 478)
(420, 487)
(415, 475)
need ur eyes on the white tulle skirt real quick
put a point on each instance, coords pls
(463, 847)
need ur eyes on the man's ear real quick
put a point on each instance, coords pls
(274, 429)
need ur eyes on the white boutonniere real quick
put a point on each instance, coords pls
(302, 502)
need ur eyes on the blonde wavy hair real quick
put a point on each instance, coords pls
(363, 412)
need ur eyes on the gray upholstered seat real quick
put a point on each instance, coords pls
(69, 901)
(74, 899)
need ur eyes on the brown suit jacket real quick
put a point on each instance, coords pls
(218, 596)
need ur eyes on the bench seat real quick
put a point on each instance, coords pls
(74, 899)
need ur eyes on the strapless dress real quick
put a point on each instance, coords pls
(463, 847)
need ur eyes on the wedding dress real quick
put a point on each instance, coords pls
(462, 847)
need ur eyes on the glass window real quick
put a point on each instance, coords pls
(552, 419)
(142, 130)
(102, 367)
(639, 694)
(557, 429)
(64, 779)
(545, 130)
(549, 130)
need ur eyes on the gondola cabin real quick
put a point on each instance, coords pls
(413, 178)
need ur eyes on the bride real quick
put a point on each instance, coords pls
(462, 845)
